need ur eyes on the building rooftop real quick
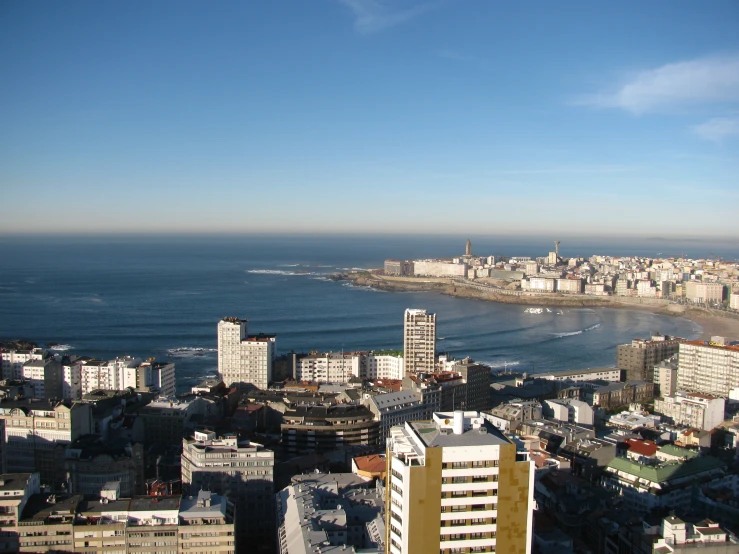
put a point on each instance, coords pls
(394, 400)
(374, 463)
(642, 447)
(663, 473)
(482, 434)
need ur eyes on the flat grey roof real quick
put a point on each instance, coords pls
(431, 435)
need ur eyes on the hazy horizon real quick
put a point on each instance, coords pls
(370, 116)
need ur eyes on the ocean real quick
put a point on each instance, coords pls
(162, 297)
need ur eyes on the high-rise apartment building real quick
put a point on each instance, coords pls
(641, 356)
(457, 484)
(244, 359)
(419, 340)
(708, 367)
(239, 469)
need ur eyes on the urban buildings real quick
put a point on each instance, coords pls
(13, 360)
(711, 368)
(692, 409)
(326, 428)
(242, 471)
(457, 484)
(45, 378)
(704, 293)
(244, 359)
(614, 395)
(118, 374)
(395, 408)
(32, 431)
(665, 377)
(419, 340)
(335, 512)
(42, 522)
(645, 486)
(641, 356)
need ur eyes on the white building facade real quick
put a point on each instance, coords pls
(419, 340)
(244, 359)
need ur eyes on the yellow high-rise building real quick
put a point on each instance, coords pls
(457, 484)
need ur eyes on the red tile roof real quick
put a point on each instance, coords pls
(645, 448)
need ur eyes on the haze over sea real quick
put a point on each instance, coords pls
(162, 296)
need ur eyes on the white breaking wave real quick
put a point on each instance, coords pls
(367, 288)
(286, 272)
(500, 365)
(190, 352)
(61, 347)
(580, 332)
(273, 272)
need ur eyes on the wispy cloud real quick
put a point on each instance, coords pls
(705, 80)
(372, 16)
(718, 128)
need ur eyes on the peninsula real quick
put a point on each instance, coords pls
(705, 291)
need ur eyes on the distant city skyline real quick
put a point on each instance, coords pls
(370, 116)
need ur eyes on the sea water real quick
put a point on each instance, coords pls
(163, 296)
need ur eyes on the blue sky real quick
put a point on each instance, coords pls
(446, 116)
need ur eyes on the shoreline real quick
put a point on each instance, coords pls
(712, 323)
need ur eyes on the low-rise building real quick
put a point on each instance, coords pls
(614, 395)
(692, 409)
(333, 511)
(508, 417)
(645, 487)
(569, 410)
(395, 408)
(578, 375)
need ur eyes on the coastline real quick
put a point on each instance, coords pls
(711, 322)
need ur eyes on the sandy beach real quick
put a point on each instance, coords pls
(712, 322)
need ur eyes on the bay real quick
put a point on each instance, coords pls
(162, 297)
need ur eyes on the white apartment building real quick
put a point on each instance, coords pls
(384, 366)
(13, 360)
(120, 374)
(329, 367)
(646, 289)
(419, 340)
(542, 284)
(692, 409)
(734, 301)
(708, 368)
(453, 482)
(573, 286)
(438, 268)
(244, 359)
(704, 293)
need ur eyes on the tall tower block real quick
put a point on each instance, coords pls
(419, 340)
